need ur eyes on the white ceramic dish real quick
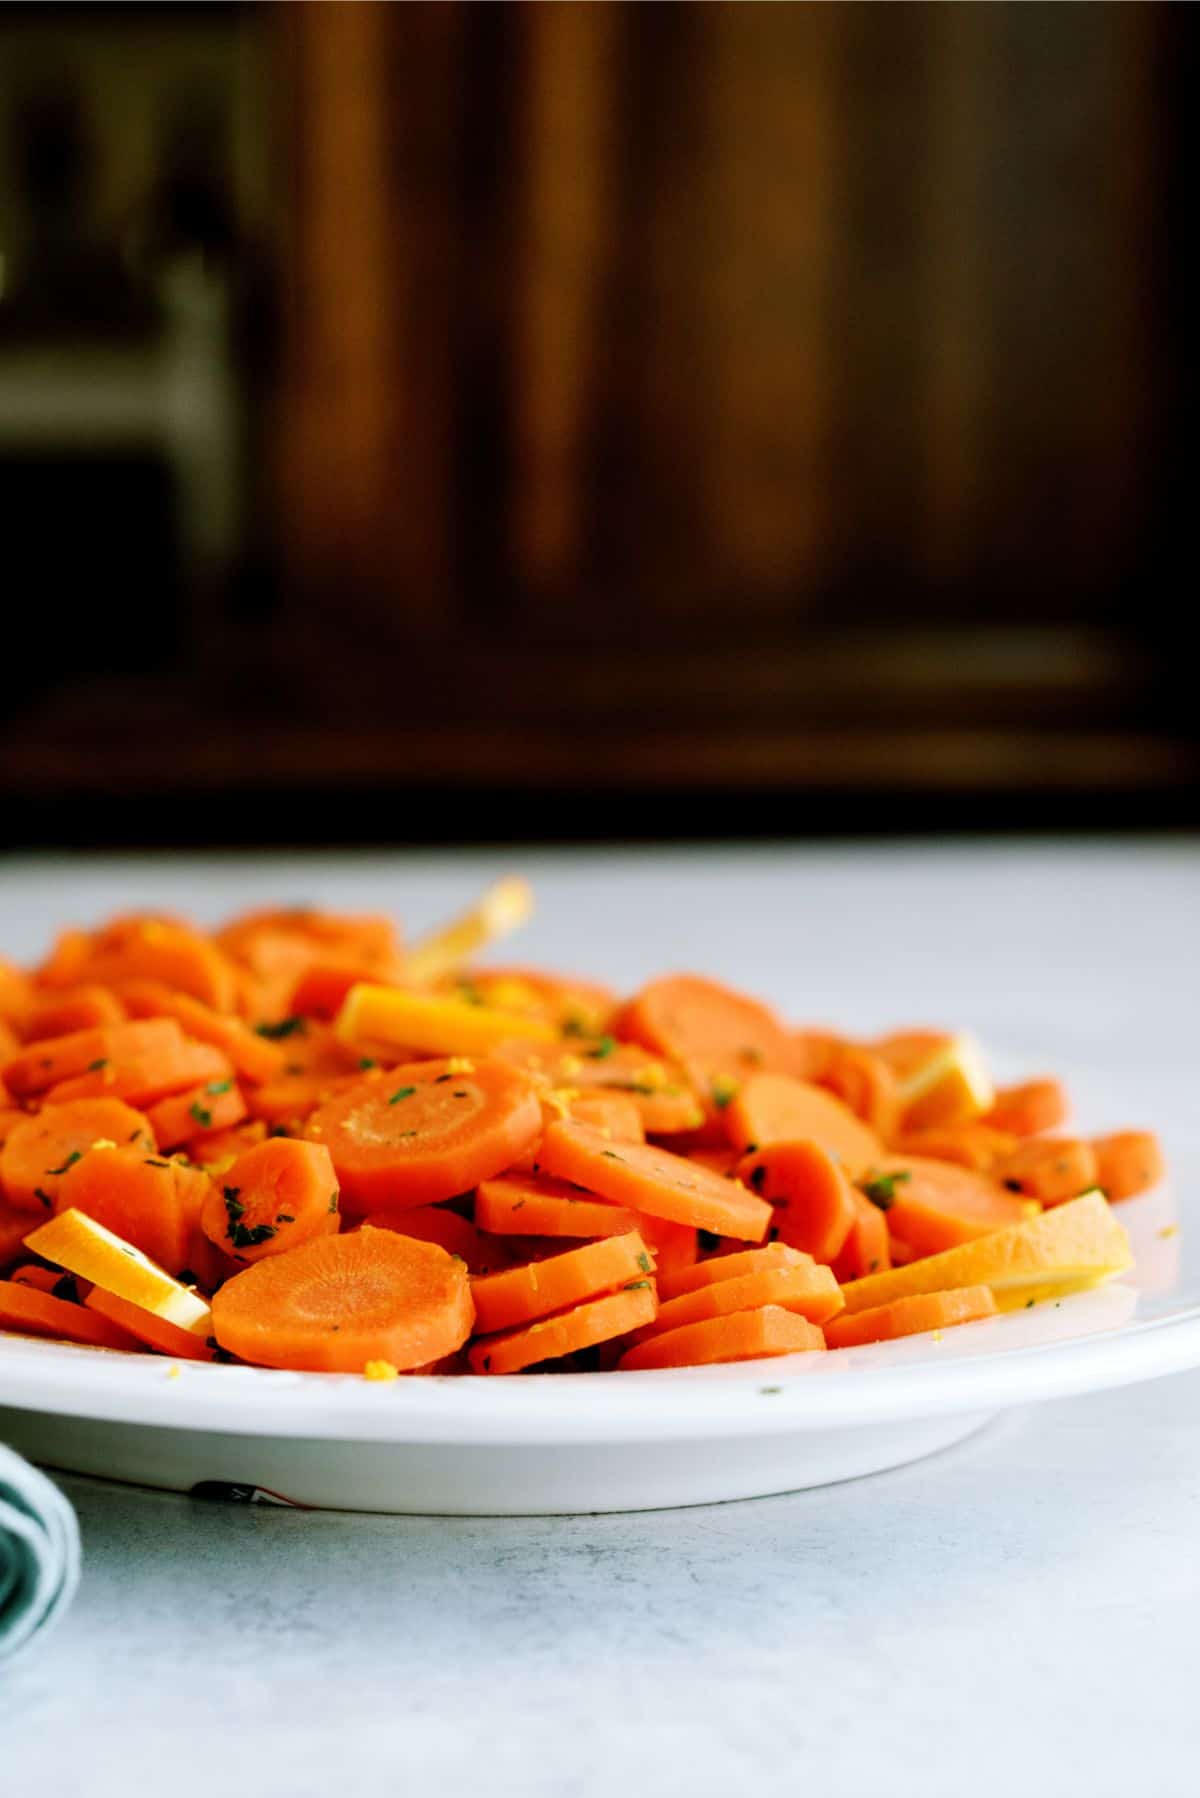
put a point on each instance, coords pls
(597, 1442)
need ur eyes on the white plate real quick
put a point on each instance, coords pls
(597, 1442)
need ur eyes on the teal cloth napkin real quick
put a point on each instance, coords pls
(39, 1553)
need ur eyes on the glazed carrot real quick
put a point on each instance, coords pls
(1033, 1106)
(812, 1053)
(581, 1008)
(865, 1083)
(673, 1246)
(775, 1108)
(254, 1057)
(145, 1199)
(216, 1105)
(70, 1009)
(868, 1248)
(337, 1302)
(1128, 1162)
(718, 1161)
(935, 1205)
(286, 1103)
(902, 1255)
(156, 1332)
(14, 1228)
(665, 1101)
(685, 1017)
(85, 1052)
(33, 1313)
(550, 1338)
(534, 1205)
(809, 1195)
(16, 991)
(271, 950)
(1050, 1168)
(43, 1148)
(272, 1199)
(10, 1045)
(179, 957)
(520, 1294)
(144, 1078)
(803, 1287)
(457, 1235)
(743, 1336)
(613, 1114)
(912, 1316)
(975, 1144)
(66, 961)
(431, 1129)
(45, 1279)
(729, 1267)
(650, 1179)
(217, 1148)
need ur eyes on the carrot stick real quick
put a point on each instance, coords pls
(33, 1313)
(744, 1336)
(41, 1149)
(427, 1131)
(808, 1194)
(1027, 1109)
(673, 1284)
(935, 1205)
(650, 1179)
(772, 1108)
(337, 1302)
(520, 1294)
(804, 1287)
(1128, 1162)
(597, 1320)
(911, 1316)
(1050, 1169)
(534, 1205)
(216, 1105)
(155, 1332)
(273, 1198)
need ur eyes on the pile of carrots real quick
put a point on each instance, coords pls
(296, 1142)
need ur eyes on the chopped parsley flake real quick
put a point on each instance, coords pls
(72, 1158)
(882, 1189)
(367, 1061)
(602, 1050)
(94, 1067)
(47, 1201)
(401, 1092)
(275, 1033)
(201, 1113)
(645, 1263)
(219, 1086)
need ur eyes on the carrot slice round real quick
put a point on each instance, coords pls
(437, 1223)
(254, 1058)
(337, 1302)
(869, 1248)
(808, 1194)
(804, 1286)
(975, 1145)
(85, 1052)
(71, 1009)
(935, 1205)
(650, 1179)
(1128, 1162)
(597, 1320)
(520, 1294)
(743, 1336)
(156, 1332)
(1029, 1108)
(33, 1313)
(1051, 1169)
(43, 1148)
(665, 1100)
(431, 1129)
(911, 1317)
(214, 1105)
(686, 1016)
(672, 1284)
(771, 1108)
(535, 1205)
(148, 1200)
(274, 1197)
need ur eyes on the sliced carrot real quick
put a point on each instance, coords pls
(147, 1200)
(10, 1045)
(729, 1267)
(86, 1052)
(865, 1083)
(534, 1205)
(1050, 1168)
(911, 1317)
(254, 1058)
(550, 1338)
(647, 1178)
(271, 950)
(1027, 1109)
(812, 1052)
(582, 1008)
(273, 1198)
(217, 1148)
(718, 1161)
(430, 1130)
(156, 1332)
(808, 1193)
(743, 1336)
(772, 1108)
(975, 1144)
(286, 1103)
(902, 1255)
(673, 1246)
(665, 1101)
(216, 1105)
(321, 990)
(173, 953)
(43, 1148)
(457, 1235)
(16, 990)
(804, 1287)
(520, 1294)
(52, 1280)
(935, 1205)
(14, 1228)
(867, 1249)
(1128, 1162)
(614, 1114)
(685, 1016)
(143, 1079)
(70, 1009)
(33, 1313)
(337, 1302)
(66, 961)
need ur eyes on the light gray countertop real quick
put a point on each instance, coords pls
(1019, 1614)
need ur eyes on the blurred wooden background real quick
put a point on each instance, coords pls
(780, 406)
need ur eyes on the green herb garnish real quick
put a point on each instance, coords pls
(602, 1050)
(201, 1113)
(401, 1092)
(882, 1189)
(72, 1158)
(275, 1033)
